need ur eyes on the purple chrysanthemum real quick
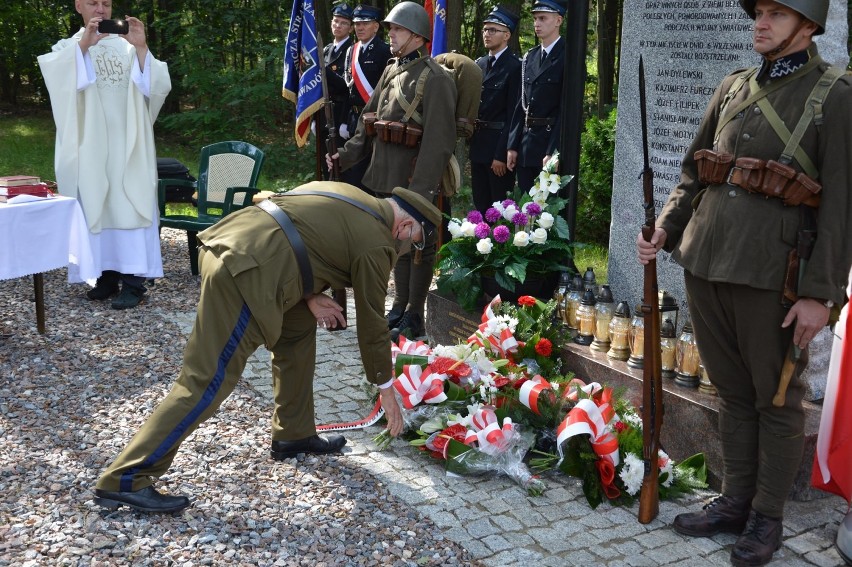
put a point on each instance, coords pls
(533, 209)
(509, 203)
(482, 230)
(475, 217)
(492, 215)
(501, 233)
(520, 219)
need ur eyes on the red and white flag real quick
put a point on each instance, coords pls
(832, 470)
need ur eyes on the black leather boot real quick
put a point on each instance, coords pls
(759, 541)
(314, 445)
(144, 500)
(722, 514)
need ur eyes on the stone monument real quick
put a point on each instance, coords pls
(687, 46)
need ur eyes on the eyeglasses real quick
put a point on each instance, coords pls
(492, 31)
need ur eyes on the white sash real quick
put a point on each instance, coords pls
(358, 77)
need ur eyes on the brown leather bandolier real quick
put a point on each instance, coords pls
(767, 177)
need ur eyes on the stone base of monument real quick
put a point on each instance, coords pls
(691, 417)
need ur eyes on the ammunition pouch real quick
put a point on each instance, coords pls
(391, 132)
(369, 123)
(770, 178)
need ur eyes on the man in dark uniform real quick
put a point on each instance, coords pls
(411, 136)
(534, 132)
(263, 271)
(748, 187)
(501, 91)
(365, 62)
(334, 56)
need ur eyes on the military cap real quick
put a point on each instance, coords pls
(368, 13)
(554, 6)
(419, 207)
(343, 11)
(504, 17)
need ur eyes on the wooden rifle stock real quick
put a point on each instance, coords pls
(331, 141)
(652, 371)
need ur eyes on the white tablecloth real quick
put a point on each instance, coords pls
(43, 235)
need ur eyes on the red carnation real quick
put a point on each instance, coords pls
(526, 300)
(544, 347)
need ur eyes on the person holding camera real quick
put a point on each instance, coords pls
(408, 130)
(106, 89)
(263, 272)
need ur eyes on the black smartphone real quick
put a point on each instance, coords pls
(112, 26)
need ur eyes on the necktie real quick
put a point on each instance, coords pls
(543, 56)
(491, 60)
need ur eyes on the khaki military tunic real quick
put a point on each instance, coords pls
(394, 165)
(734, 246)
(251, 294)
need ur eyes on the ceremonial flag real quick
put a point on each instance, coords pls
(302, 81)
(439, 26)
(832, 470)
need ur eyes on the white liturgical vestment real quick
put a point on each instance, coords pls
(104, 106)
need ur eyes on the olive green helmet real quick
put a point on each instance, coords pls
(814, 10)
(411, 16)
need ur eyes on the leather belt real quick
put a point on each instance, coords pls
(296, 244)
(533, 121)
(486, 125)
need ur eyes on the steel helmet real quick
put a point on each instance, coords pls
(814, 10)
(411, 16)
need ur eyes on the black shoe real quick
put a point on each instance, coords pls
(759, 541)
(723, 514)
(104, 289)
(144, 500)
(314, 445)
(394, 316)
(128, 298)
(410, 326)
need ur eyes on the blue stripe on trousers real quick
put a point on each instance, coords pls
(126, 484)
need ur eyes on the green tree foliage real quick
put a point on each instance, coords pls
(595, 179)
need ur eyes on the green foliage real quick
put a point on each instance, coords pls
(594, 200)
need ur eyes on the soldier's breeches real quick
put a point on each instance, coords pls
(412, 280)
(222, 339)
(742, 346)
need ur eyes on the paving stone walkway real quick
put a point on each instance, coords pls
(499, 524)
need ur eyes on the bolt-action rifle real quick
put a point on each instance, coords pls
(652, 372)
(331, 141)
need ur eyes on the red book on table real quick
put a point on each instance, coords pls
(35, 189)
(15, 180)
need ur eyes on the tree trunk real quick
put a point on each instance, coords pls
(607, 12)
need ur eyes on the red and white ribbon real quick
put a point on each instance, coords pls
(500, 343)
(587, 418)
(575, 385)
(406, 346)
(417, 385)
(530, 391)
(487, 432)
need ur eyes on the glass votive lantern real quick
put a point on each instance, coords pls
(604, 308)
(687, 359)
(586, 319)
(619, 333)
(704, 384)
(637, 338)
(559, 294)
(668, 348)
(668, 309)
(572, 302)
(589, 280)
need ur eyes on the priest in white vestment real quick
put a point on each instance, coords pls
(106, 91)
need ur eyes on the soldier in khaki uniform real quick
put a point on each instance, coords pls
(731, 223)
(260, 286)
(409, 134)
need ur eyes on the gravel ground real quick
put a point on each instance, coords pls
(71, 399)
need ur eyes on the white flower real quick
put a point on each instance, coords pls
(632, 473)
(498, 205)
(454, 226)
(510, 212)
(484, 246)
(539, 236)
(633, 419)
(521, 239)
(468, 228)
(545, 221)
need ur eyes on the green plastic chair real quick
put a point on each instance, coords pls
(227, 175)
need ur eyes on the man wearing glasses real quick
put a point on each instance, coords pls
(534, 133)
(501, 90)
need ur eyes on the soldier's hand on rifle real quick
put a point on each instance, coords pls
(329, 160)
(647, 251)
(511, 160)
(810, 316)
